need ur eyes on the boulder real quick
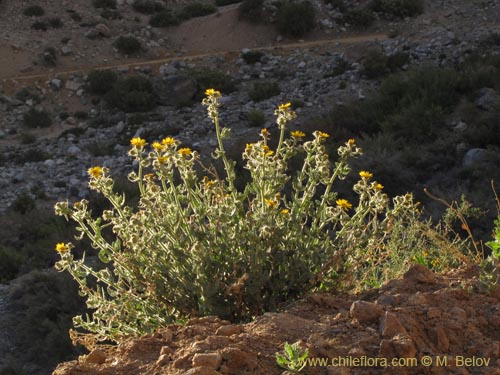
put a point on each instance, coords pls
(175, 90)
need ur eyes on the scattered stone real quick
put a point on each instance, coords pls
(228, 330)
(210, 360)
(420, 274)
(96, 356)
(391, 326)
(474, 156)
(366, 312)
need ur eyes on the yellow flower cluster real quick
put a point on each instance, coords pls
(138, 142)
(61, 248)
(298, 134)
(95, 172)
(343, 204)
(365, 174)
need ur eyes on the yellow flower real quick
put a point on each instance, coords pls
(323, 135)
(270, 202)
(162, 159)
(298, 134)
(186, 151)
(264, 131)
(158, 146)
(248, 147)
(169, 141)
(138, 142)
(269, 153)
(285, 106)
(95, 172)
(212, 92)
(343, 203)
(379, 186)
(61, 248)
(351, 142)
(365, 174)
(284, 211)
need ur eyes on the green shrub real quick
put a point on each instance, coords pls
(337, 4)
(55, 22)
(374, 63)
(196, 10)
(104, 4)
(10, 264)
(27, 94)
(396, 61)
(128, 45)
(362, 17)
(27, 138)
(147, 6)
(132, 94)
(34, 11)
(251, 10)
(164, 18)
(214, 249)
(399, 8)
(37, 119)
(23, 203)
(263, 90)
(256, 118)
(207, 78)
(295, 18)
(110, 14)
(49, 56)
(101, 81)
(221, 3)
(39, 25)
(251, 57)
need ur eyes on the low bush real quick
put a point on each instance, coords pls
(399, 8)
(49, 56)
(375, 63)
(256, 118)
(251, 10)
(110, 14)
(24, 203)
(361, 18)
(104, 4)
(295, 19)
(128, 45)
(132, 94)
(196, 10)
(27, 94)
(10, 263)
(39, 25)
(221, 3)
(147, 6)
(164, 18)
(55, 22)
(34, 11)
(215, 249)
(263, 90)
(337, 4)
(37, 119)
(101, 81)
(206, 78)
(251, 57)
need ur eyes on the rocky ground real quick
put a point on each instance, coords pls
(419, 317)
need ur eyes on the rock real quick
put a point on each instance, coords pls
(74, 151)
(96, 356)
(474, 156)
(72, 85)
(201, 371)
(397, 347)
(366, 312)
(175, 90)
(229, 330)
(56, 83)
(391, 326)
(210, 360)
(488, 99)
(103, 30)
(167, 70)
(163, 359)
(420, 274)
(66, 50)
(442, 342)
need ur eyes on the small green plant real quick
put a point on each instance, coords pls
(263, 90)
(362, 17)
(37, 118)
(251, 10)
(165, 18)
(256, 118)
(132, 94)
(101, 81)
(295, 18)
(128, 45)
(147, 6)
(24, 203)
(196, 10)
(39, 25)
(34, 11)
(104, 4)
(221, 3)
(251, 57)
(399, 8)
(375, 63)
(206, 78)
(293, 358)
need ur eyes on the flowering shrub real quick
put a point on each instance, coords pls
(197, 245)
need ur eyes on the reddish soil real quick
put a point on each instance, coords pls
(422, 317)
